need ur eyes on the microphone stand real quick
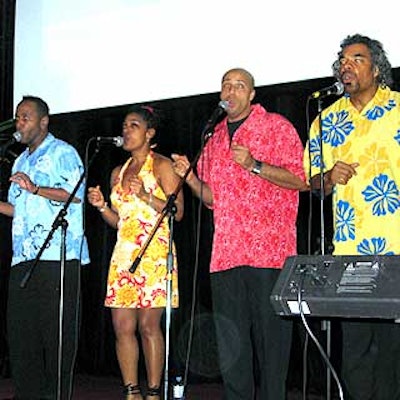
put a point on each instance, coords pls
(170, 209)
(59, 221)
(326, 324)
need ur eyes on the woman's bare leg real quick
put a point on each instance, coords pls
(127, 349)
(153, 346)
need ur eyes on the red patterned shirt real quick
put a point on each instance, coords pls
(255, 220)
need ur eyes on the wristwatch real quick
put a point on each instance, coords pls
(257, 167)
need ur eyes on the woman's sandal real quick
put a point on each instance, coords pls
(130, 390)
(153, 391)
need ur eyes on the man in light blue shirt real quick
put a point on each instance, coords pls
(43, 177)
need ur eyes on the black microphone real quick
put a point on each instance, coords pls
(115, 140)
(337, 89)
(212, 121)
(16, 137)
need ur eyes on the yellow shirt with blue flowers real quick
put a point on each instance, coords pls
(366, 211)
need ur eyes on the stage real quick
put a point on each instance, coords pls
(88, 387)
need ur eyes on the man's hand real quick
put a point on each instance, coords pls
(242, 156)
(341, 173)
(24, 182)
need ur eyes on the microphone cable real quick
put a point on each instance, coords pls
(195, 275)
(313, 337)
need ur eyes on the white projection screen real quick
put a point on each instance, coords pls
(89, 54)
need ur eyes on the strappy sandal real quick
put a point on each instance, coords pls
(130, 390)
(153, 391)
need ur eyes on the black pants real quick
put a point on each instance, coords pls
(33, 330)
(371, 360)
(248, 330)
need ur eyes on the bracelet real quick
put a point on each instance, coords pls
(103, 208)
(36, 191)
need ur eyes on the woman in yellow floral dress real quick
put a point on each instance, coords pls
(137, 300)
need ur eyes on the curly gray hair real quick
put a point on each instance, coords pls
(378, 55)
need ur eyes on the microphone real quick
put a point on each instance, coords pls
(337, 89)
(223, 105)
(16, 137)
(115, 140)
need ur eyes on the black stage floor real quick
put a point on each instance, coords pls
(88, 387)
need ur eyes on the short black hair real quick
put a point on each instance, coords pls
(41, 106)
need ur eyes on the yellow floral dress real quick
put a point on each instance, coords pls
(147, 286)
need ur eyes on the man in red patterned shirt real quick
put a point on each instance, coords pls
(249, 173)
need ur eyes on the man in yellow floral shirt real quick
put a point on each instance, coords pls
(360, 136)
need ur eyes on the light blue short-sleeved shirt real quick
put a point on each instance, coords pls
(54, 164)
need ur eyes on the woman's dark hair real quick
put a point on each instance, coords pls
(378, 55)
(148, 114)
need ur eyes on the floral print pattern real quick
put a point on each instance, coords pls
(383, 194)
(255, 220)
(336, 127)
(54, 164)
(367, 209)
(147, 286)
